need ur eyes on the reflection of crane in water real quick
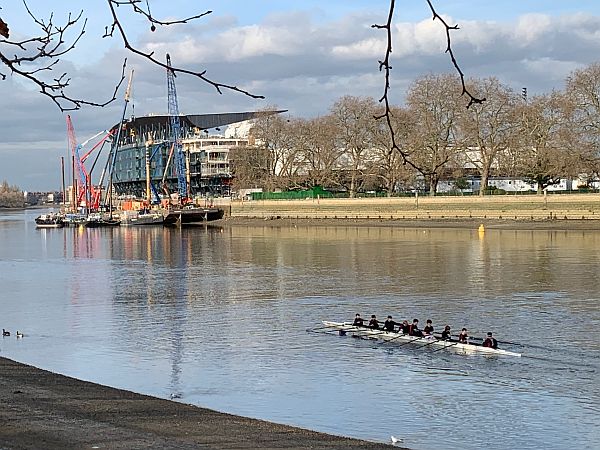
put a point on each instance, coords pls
(183, 259)
(180, 252)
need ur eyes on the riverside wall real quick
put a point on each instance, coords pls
(505, 207)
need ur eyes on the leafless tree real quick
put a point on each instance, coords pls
(546, 145)
(354, 118)
(389, 166)
(249, 167)
(274, 133)
(433, 106)
(488, 128)
(36, 58)
(320, 153)
(583, 88)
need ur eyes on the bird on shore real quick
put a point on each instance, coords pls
(5, 333)
(395, 440)
(19, 334)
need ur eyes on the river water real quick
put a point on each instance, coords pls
(219, 316)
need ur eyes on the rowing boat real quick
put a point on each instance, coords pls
(429, 341)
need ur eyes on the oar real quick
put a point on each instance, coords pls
(394, 338)
(511, 343)
(433, 341)
(445, 347)
(308, 330)
(413, 340)
(320, 328)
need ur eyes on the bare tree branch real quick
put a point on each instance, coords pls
(116, 24)
(384, 65)
(37, 56)
(40, 54)
(465, 91)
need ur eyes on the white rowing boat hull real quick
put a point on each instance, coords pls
(426, 341)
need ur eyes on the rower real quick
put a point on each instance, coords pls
(405, 327)
(358, 321)
(374, 323)
(414, 329)
(463, 337)
(490, 341)
(428, 330)
(446, 334)
(389, 324)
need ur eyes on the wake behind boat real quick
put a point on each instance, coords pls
(424, 341)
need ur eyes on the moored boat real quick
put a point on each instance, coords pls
(427, 341)
(99, 220)
(131, 218)
(49, 221)
(74, 219)
(190, 215)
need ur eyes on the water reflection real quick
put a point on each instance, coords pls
(219, 315)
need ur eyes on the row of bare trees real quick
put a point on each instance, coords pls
(10, 196)
(541, 139)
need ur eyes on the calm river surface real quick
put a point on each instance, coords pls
(219, 316)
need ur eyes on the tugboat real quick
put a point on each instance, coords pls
(49, 221)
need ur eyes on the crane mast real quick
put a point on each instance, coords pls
(180, 171)
(82, 176)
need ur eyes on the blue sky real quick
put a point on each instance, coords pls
(301, 55)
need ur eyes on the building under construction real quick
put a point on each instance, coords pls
(146, 147)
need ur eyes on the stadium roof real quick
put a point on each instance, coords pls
(202, 121)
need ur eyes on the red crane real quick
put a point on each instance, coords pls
(87, 194)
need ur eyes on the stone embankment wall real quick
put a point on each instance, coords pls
(551, 207)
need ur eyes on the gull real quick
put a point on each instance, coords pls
(395, 440)
(175, 395)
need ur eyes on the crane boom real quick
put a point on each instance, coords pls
(82, 175)
(182, 187)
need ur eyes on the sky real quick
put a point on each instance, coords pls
(302, 56)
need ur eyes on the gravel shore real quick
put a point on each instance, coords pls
(40, 409)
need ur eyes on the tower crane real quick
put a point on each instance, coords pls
(180, 171)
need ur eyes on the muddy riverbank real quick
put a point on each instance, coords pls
(40, 409)
(508, 224)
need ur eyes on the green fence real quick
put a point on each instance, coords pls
(316, 192)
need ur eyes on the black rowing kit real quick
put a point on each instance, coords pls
(389, 325)
(490, 342)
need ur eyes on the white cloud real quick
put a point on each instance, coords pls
(301, 64)
(531, 27)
